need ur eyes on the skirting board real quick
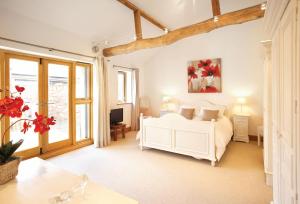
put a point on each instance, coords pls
(254, 138)
(269, 179)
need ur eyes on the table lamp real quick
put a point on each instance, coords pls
(241, 101)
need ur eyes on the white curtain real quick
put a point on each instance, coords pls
(101, 99)
(135, 100)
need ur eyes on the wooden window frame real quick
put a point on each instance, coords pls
(7, 56)
(4, 80)
(64, 143)
(84, 101)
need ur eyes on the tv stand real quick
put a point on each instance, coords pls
(114, 128)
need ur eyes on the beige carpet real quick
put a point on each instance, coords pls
(156, 177)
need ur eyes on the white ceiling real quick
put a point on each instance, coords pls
(100, 20)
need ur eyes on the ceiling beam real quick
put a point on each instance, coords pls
(138, 25)
(216, 7)
(133, 7)
(236, 17)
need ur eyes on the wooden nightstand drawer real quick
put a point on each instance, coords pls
(240, 119)
(240, 123)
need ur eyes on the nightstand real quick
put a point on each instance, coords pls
(240, 127)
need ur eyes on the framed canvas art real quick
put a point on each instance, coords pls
(204, 76)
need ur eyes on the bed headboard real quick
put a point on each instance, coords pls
(208, 104)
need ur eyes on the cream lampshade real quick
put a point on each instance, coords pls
(169, 103)
(241, 101)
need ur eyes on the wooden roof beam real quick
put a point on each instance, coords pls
(138, 25)
(236, 17)
(216, 7)
(133, 7)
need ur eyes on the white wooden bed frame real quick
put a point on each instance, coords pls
(174, 133)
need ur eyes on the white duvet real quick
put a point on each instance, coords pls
(223, 134)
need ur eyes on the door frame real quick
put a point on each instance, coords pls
(46, 147)
(32, 151)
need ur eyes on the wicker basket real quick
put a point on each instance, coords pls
(9, 170)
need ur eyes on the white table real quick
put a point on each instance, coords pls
(39, 180)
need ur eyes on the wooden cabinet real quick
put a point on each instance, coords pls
(240, 123)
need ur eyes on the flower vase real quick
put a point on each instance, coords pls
(9, 170)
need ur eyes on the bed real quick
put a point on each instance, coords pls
(174, 133)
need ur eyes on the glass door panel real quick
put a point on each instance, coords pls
(25, 73)
(82, 122)
(82, 82)
(58, 101)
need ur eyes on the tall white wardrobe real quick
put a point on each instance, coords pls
(282, 29)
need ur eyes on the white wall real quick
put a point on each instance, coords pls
(21, 28)
(242, 71)
(113, 95)
(133, 60)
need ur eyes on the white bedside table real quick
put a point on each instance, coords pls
(240, 127)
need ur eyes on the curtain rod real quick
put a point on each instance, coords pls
(116, 66)
(48, 48)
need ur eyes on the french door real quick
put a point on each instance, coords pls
(50, 89)
(57, 97)
(24, 71)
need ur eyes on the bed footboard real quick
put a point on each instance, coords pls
(174, 133)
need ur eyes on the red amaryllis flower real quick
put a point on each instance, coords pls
(19, 89)
(42, 123)
(204, 63)
(26, 126)
(211, 71)
(25, 108)
(11, 107)
(192, 72)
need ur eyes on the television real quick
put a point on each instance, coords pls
(116, 116)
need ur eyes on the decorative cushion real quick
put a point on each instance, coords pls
(188, 113)
(208, 115)
(220, 109)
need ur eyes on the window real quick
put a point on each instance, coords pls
(121, 86)
(83, 102)
(53, 87)
(124, 87)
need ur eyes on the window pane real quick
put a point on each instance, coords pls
(82, 82)
(128, 87)
(58, 101)
(82, 122)
(121, 86)
(25, 73)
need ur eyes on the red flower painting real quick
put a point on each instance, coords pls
(204, 76)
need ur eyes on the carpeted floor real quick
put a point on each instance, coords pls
(157, 177)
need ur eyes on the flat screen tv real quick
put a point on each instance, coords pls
(116, 116)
